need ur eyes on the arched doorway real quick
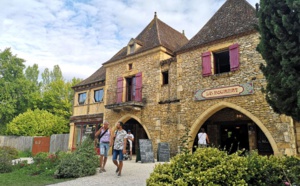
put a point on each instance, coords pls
(231, 130)
(137, 130)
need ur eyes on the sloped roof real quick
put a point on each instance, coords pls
(156, 33)
(233, 18)
(97, 76)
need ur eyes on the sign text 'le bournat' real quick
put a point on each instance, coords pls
(229, 91)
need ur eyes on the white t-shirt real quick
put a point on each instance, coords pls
(202, 138)
(130, 136)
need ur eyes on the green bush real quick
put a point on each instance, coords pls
(82, 162)
(7, 154)
(5, 162)
(44, 163)
(37, 123)
(292, 169)
(210, 166)
(11, 151)
(25, 153)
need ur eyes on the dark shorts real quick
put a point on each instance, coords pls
(117, 153)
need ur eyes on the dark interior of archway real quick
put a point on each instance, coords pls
(137, 130)
(229, 130)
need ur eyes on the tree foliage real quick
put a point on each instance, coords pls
(21, 90)
(16, 90)
(57, 93)
(37, 123)
(279, 26)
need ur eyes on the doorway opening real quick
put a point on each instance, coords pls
(231, 130)
(138, 132)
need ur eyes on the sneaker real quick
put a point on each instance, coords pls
(100, 170)
(119, 175)
(103, 170)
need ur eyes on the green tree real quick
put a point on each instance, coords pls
(21, 90)
(57, 92)
(32, 75)
(14, 86)
(37, 123)
(279, 27)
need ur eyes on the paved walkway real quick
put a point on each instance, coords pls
(133, 174)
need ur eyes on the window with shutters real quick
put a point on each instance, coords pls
(221, 61)
(130, 88)
(133, 88)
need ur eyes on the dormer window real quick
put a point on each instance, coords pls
(131, 49)
(133, 46)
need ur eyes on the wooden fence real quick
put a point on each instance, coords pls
(57, 142)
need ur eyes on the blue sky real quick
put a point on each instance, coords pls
(80, 35)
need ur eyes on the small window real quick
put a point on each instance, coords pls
(98, 95)
(165, 77)
(131, 48)
(222, 63)
(81, 98)
(130, 66)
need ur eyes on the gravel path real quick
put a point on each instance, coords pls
(133, 174)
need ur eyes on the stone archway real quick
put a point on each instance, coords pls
(127, 117)
(215, 108)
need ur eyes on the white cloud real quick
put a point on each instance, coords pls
(80, 35)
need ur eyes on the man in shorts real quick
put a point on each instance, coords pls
(120, 141)
(105, 143)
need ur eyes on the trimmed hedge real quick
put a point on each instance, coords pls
(210, 166)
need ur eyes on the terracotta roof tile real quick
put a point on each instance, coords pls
(233, 18)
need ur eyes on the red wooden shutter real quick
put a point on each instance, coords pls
(119, 89)
(234, 57)
(138, 87)
(206, 64)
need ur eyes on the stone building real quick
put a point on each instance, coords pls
(164, 87)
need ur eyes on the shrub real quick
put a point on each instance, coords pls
(7, 154)
(37, 123)
(11, 151)
(80, 163)
(44, 163)
(210, 166)
(5, 162)
(264, 170)
(292, 169)
(25, 153)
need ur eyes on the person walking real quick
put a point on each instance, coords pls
(120, 141)
(203, 139)
(130, 138)
(104, 134)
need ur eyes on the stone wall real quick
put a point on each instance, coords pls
(165, 120)
(253, 106)
(159, 120)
